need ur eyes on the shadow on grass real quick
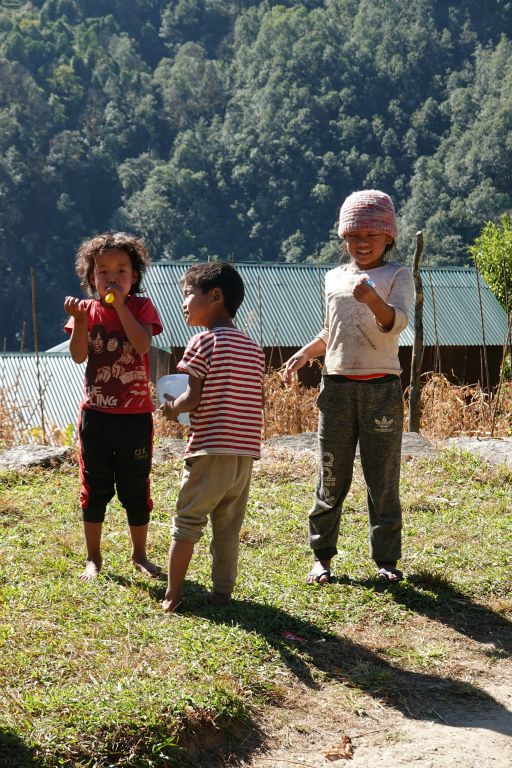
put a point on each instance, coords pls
(306, 650)
(438, 599)
(14, 753)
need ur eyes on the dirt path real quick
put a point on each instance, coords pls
(309, 728)
(461, 715)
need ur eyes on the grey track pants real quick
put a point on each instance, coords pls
(370, 411)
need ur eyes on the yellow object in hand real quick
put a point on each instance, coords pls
(109, 297)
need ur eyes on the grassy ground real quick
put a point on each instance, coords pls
(96, 675)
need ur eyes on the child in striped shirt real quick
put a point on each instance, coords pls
(224, 397)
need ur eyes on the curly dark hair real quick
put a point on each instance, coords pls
(217, 274)
(134, 246)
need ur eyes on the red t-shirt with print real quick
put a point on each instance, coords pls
(116, 376)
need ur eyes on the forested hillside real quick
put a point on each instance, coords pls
(234, 128)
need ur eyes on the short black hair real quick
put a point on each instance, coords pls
(217, 274)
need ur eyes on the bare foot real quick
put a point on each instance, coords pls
(219, 599)
(91, 570)
(147, 568)
(172, 605)
(320, 572)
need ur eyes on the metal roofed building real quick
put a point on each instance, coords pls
(49, 386)
(31, 386)
(284, 309)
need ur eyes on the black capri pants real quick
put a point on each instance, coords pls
(115, 455)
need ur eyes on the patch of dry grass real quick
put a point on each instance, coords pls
(289, 410)
(447, 410)
(9, 419)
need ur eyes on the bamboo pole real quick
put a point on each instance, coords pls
(417, 349)
(495, 405)
(482, 323)
(260, 317)
(36, 350)
(437, 356)
(321, 289)
(22, 337)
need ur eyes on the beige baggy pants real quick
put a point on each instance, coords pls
(215, 486)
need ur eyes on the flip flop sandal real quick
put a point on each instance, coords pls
(390, 575)
(317, 576)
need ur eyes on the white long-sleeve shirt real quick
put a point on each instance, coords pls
(355, 344)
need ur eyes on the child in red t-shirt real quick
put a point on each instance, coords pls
(113, 332)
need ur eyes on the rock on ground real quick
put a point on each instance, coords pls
(35, 456)
(495, 451)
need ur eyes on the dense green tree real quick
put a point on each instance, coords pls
(235, 128)
(492, 254)
(191, 87)
(324, 102)
(467, 180)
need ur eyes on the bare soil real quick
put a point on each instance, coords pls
(309, 731)
(426, 725)
(452, 713)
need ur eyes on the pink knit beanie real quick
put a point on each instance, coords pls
(368, 209)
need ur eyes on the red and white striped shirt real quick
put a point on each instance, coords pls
(228, 418)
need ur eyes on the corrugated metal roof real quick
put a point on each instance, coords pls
(457, 313)
(274, 311)
(61, 387)
(284, 306)
(59, 349)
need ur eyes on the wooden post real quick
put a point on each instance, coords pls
(417, 349)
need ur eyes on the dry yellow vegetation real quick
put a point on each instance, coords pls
(447, 410)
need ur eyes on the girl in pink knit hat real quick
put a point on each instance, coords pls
(368, 302)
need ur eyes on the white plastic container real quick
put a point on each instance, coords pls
(173, 384)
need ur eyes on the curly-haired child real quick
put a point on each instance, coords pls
(116, 414)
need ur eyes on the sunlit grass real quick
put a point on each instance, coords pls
(98, 670)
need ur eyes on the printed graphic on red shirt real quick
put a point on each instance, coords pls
(116, 376)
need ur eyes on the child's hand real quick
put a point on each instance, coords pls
(295, 362)
(77, 308)
(364, 290)
(167, 408)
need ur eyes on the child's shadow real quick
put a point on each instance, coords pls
(303, 648)
(15, 752)
(449, 606)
